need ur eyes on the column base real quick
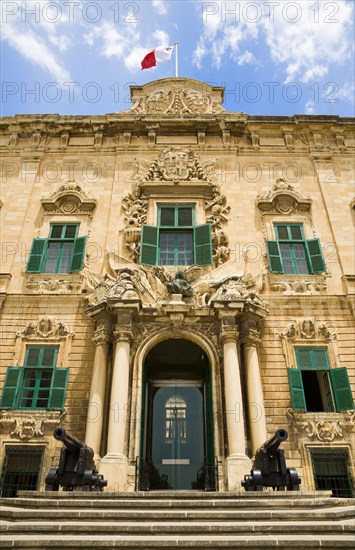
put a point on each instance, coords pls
(114, 468)
(237, 466)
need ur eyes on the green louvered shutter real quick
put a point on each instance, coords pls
(149, 245)
(296, 388)
(320, 359)
(9, 392)
(78, 254)
(315, 256)
(36, 256)
(58, 389)
(203, 245)
(274, 255)
(304, 358)
(341, 389)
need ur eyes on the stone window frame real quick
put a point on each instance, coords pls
(305, 448)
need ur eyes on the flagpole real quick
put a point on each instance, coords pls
(176, 58)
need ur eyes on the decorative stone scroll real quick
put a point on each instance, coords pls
(70, 198)
(309, 329)
(282, 198)
(176, 97)
(32, 426)
(326, 427)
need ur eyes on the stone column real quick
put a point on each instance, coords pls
(255, 398)
(114, 465)
(97, 392)
(119, 394)
(238, 463)
(233, 393)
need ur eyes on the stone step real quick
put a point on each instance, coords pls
(174, 527)
(147, 521)
(257, 542)
(250, 504)
(168, 515)
(177, 495)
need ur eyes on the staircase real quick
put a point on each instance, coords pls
(177, 520)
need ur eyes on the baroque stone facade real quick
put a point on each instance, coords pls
(126, 321)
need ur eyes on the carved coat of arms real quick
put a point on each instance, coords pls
(176, 164)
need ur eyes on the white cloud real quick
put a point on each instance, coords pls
(222, 35)
(35, 38)
(305, 49)
(160, 6)
(34, 49)
(310, 107)
(309, 47)
(161, 37)
(246, 58)
(125, 45)
(346, 91)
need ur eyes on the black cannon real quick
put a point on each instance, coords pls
(269, 467)
(76, 467)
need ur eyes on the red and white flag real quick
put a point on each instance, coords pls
(159, 54)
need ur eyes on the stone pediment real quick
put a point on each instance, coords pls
(282, 198)
(70, 198)
(177, 96)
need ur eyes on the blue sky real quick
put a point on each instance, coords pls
(273, 57)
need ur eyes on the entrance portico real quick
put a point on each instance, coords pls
(173, 378)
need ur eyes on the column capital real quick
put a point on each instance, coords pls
(101, 336)
(229, 334)
(122, 334)
(250, 332)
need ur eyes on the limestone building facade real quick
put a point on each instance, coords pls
(177, 283)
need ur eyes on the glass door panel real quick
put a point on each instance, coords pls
(177, 439)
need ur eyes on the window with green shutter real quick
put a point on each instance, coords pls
(176, 240)
(315, 386)
(291, 253)
(38, 384)
(62, 252)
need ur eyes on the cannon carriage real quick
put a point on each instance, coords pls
(76, 466)
(269, 467)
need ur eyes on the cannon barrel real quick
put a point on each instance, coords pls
(70, 442)
(272, 444)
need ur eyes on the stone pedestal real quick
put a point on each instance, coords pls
(114, 468)
(237, 466)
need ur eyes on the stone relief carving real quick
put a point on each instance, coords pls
(177, 99)
(174, 165)
(243, 287)
(282, 198)
(218, 211)
(39, 284)
(125, 283)
(326, 428)
(45, 327)
(200, 286)
(70, 198)
(309, 329)
(298, 286)
(33, 426)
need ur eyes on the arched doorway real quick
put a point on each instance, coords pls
(177, 450)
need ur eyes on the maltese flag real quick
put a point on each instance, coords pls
(159, 54)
